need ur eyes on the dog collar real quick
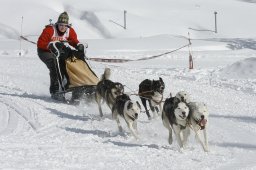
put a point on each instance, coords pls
(145, 93)
(182, 127)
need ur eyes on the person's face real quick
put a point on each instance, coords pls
(62, 27)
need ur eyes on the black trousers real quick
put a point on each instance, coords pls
(50, 61)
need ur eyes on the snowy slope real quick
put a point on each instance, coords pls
(39, 133)
(144, 18)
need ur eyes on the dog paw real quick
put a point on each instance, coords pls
(156, 117)
(181, 150)
(170, 141)
(120, 129)
(185, 146)
(206, 149)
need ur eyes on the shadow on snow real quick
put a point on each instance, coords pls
(68, 116)
(238, 43)
(123, 144)
(236, 145)
(99, 133)
(246, 119)
(29, 96)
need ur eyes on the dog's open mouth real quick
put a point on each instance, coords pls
(133, 117)
(118, 93)
(136, 116)
(182, 117)
(161, 91)
(202, 122)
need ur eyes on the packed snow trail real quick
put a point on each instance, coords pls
(39, 133)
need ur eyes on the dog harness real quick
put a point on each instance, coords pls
(182, 127)
(149, 96)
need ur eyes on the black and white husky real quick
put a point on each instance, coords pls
(107, 90)
(152, 91)
(198, 120)
(175, 117)
(129, 110)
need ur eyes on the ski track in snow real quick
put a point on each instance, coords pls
(17, 112)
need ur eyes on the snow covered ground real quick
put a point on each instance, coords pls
(39, 133)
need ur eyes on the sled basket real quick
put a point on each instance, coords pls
(74, 73)
(79, 73)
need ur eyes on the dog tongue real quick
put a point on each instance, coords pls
(203, 122)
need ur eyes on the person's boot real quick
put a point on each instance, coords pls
(54, 90)
(58, 96)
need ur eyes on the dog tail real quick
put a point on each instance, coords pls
(106, 74)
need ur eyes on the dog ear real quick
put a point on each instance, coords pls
(122, 87)
(129, 106)
(176, 100)
(192, 107)
(161, 79)
(162, 82)
(138, 104)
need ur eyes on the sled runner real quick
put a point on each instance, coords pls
(74, 74)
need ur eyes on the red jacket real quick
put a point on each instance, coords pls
(50, 34)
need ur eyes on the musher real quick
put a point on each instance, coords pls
(60, 31)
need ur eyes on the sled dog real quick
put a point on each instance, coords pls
(199, 121)
(107, 90)
(175, 117)
(129, 110)
(152, 91)
(183, 96)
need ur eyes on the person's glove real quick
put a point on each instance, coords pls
(80, 47)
